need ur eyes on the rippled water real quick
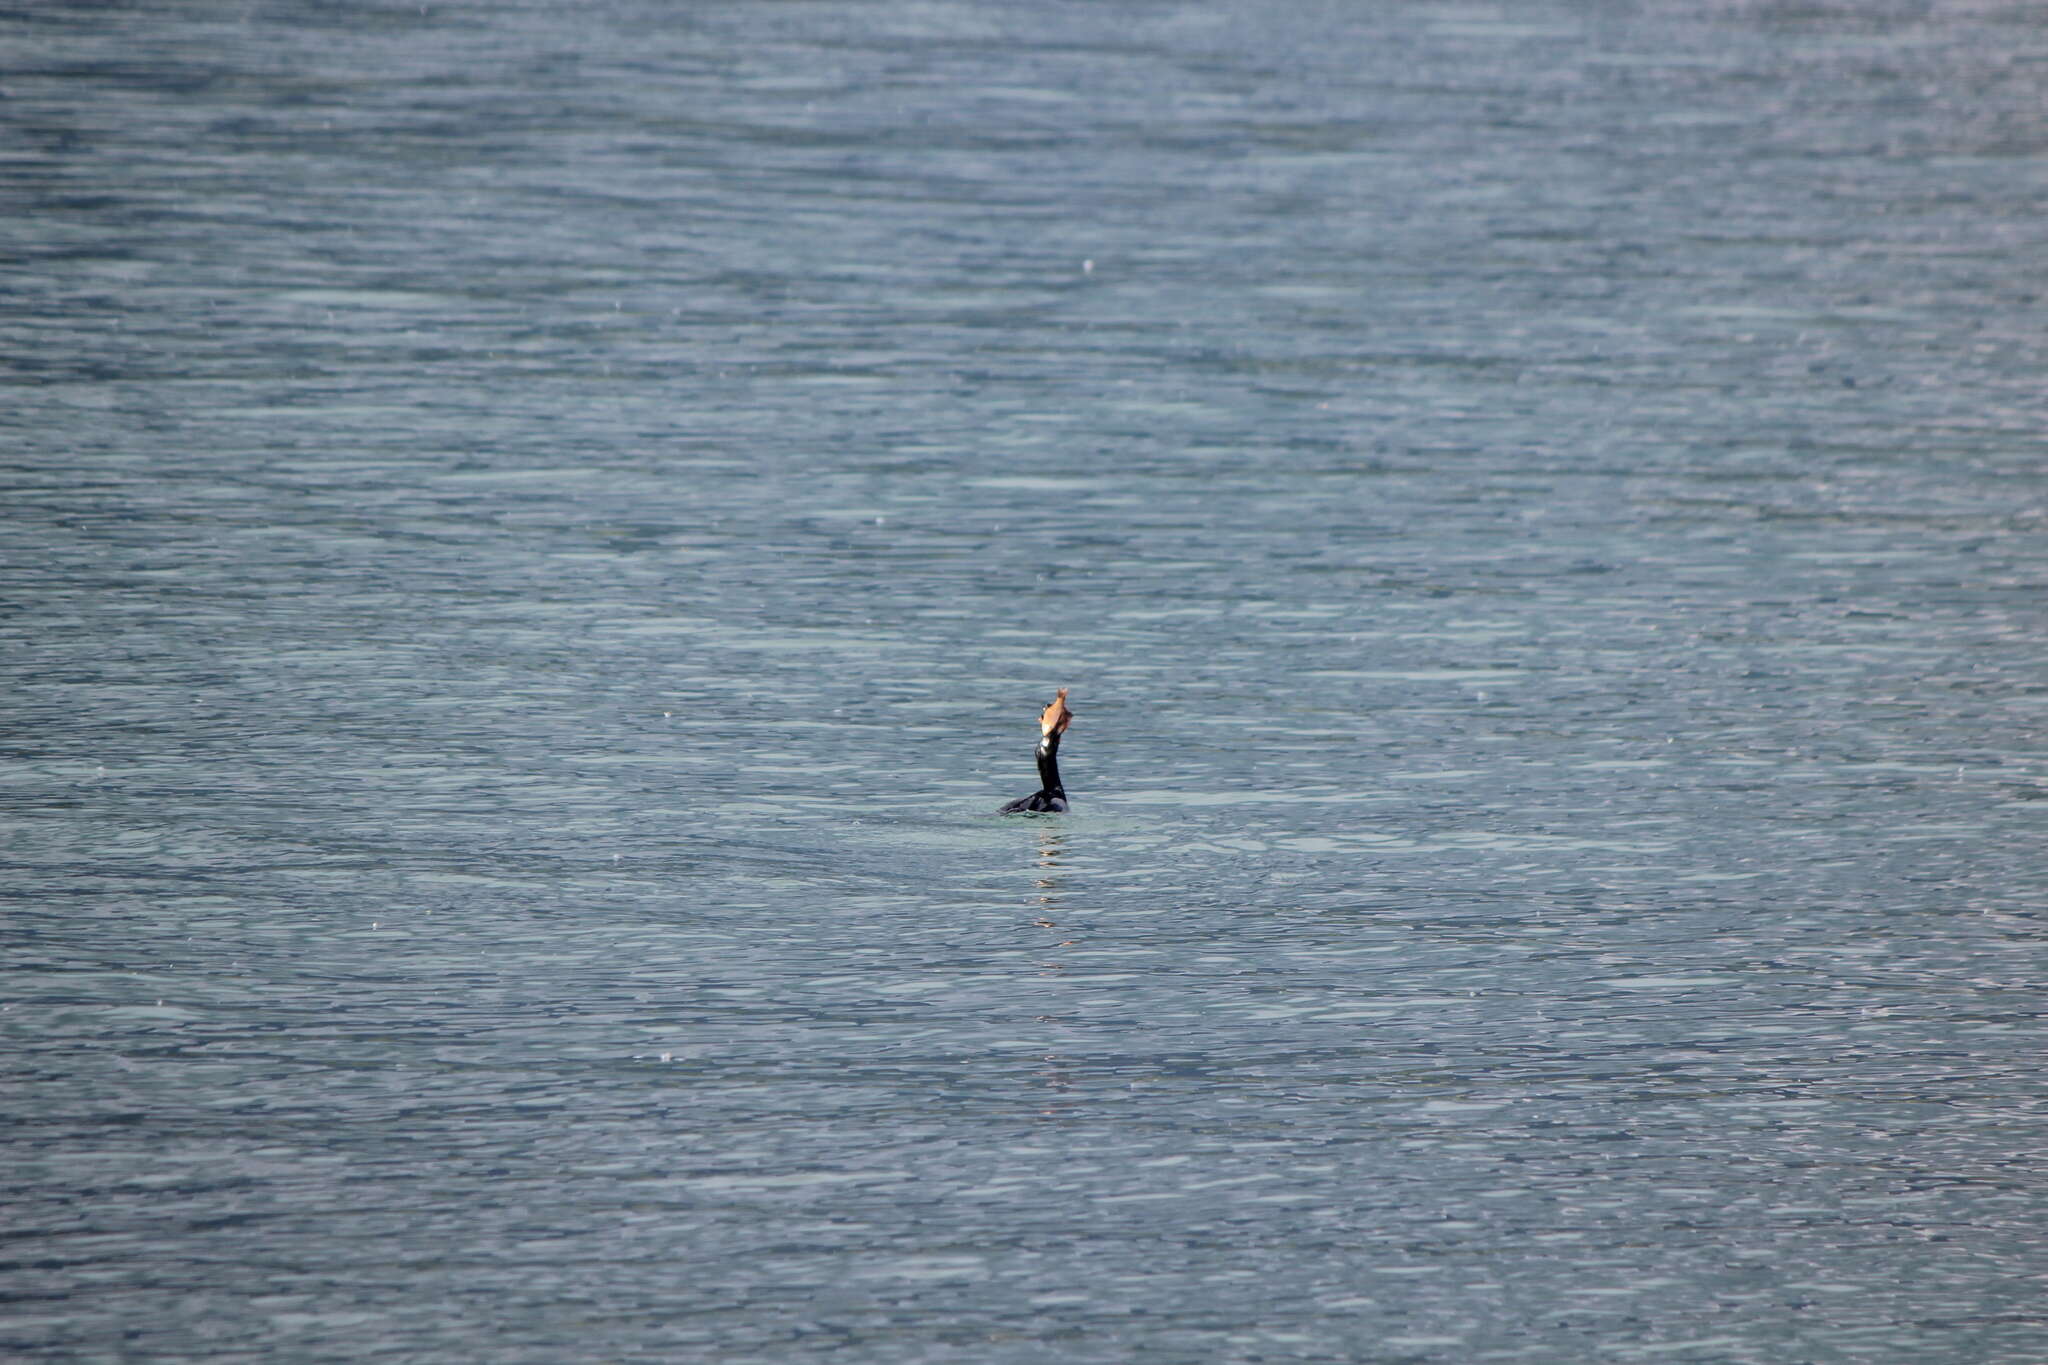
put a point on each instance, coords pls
(536, 537)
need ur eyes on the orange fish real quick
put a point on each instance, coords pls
(1055, 717)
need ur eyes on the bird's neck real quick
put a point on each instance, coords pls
(1049, 763)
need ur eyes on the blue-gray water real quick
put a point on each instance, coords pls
(536, 535)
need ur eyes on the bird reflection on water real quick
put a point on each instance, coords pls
(1051, 846)
(1053, 1072)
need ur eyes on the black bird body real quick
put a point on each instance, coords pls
(1051, 797)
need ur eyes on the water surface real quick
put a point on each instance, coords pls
(535, 537)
